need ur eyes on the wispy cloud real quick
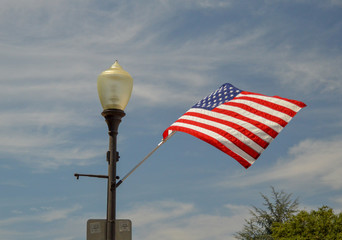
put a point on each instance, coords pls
(176, 220)
(55, 223)
(43, 215)
(314, 163)
(146, 214)
(190, 63)
(39, 119)
(314, 73)
(40, 150)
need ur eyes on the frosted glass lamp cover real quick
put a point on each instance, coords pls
(114, 87)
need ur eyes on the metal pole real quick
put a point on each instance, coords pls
(113, 119)
(147, 156)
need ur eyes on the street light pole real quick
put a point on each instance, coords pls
(114, 87)
(113, 119)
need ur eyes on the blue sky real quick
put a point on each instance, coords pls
(51, 53)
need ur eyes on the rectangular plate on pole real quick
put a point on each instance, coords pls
(97, 229)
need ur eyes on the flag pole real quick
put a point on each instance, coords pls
(145, 158)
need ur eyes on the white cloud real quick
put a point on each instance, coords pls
(54, 223)
(338, 200)
(39, 119)
(158, 211)
(44, 215)
(311, 164)
(214, 4)
(175, 220)
(164, 71)
(152, 95)
(41, 150)
(167, 220)
(315, 73)
(12, 183)
(199, 3)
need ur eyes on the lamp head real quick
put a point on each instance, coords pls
(114, 87)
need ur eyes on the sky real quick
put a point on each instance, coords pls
(177, 52)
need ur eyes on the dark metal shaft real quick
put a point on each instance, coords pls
(78, 175)
(113, 119)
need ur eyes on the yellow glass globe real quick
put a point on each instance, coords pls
(114, 87)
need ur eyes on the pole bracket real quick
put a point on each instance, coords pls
(78, 175)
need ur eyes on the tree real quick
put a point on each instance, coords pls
(320, 224)
(279, 208)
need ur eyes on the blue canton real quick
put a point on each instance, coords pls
(224, 94)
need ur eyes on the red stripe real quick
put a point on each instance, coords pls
(295, 102)
(213, 142)
(270, 117)
(257, 124)
(274, 106)
(237, 127)
(247, 149)
(166, 133)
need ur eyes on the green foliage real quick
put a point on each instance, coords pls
(320, 224)
(279, 208)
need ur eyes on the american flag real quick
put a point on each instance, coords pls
(242, 124)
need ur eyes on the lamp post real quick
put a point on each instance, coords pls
(114, 88)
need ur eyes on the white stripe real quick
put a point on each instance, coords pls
(278, 101)
(219, 138)
(263, 108)
(257, 131)
(228, 129)
(275, 126)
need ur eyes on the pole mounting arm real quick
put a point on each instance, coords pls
(78, 175)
